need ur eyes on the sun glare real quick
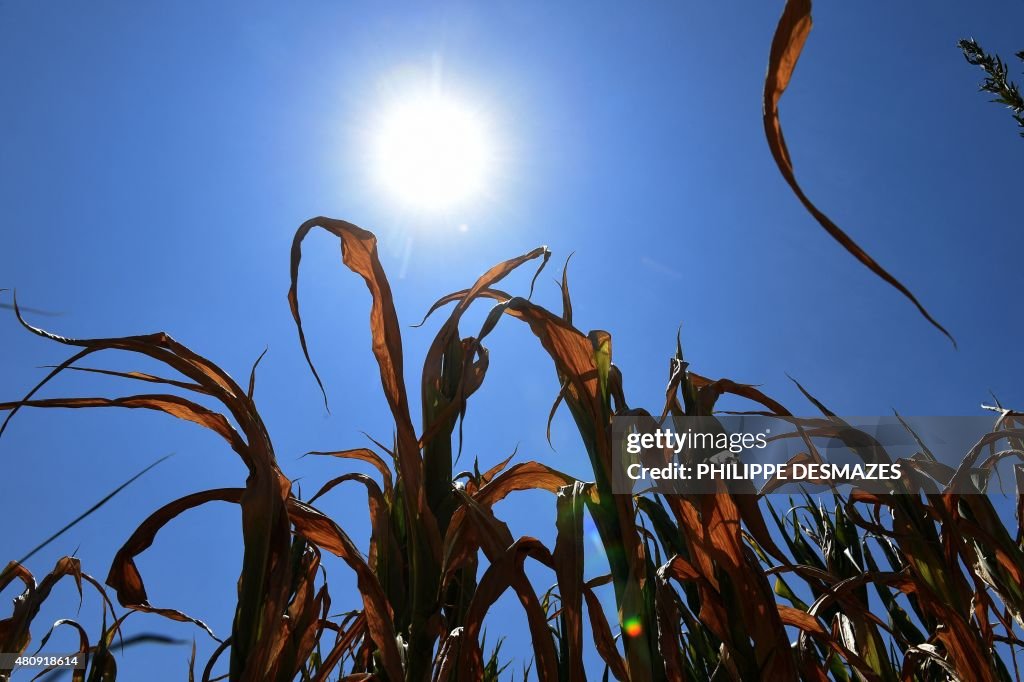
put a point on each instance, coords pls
(432, 153)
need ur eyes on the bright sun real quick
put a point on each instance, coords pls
(432, 153)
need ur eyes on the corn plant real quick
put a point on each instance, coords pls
(702, 587)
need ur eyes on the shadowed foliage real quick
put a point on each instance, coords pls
(705, 586)
(997, 78)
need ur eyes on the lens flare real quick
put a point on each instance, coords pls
(632, 627)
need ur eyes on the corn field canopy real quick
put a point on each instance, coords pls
(866, 585)
(310, 488)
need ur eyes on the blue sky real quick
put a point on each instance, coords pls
(158, 157)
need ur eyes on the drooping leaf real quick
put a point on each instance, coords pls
(787, 44)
